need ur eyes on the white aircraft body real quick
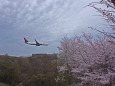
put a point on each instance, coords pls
(34, 43)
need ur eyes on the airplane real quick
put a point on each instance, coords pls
(34, 43)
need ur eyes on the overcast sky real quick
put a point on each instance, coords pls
(44, 20)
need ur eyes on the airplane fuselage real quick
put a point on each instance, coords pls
(32, 43)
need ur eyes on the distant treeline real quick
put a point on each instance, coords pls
(34, 70)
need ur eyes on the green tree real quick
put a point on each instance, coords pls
(9, 71)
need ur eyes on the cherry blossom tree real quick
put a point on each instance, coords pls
(92, 60)
(107, 10)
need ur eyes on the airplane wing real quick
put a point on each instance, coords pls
(37, 43)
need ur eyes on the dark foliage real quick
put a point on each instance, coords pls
(113, 1)
(35, 70)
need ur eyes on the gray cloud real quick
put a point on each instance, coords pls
(46, 20)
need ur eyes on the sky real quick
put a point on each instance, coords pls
(47, 21)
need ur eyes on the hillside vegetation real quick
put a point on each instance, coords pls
(2, 84)
(34, 70)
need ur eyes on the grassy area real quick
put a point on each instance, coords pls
(3, 84)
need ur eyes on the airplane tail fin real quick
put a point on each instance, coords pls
(25, 40)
